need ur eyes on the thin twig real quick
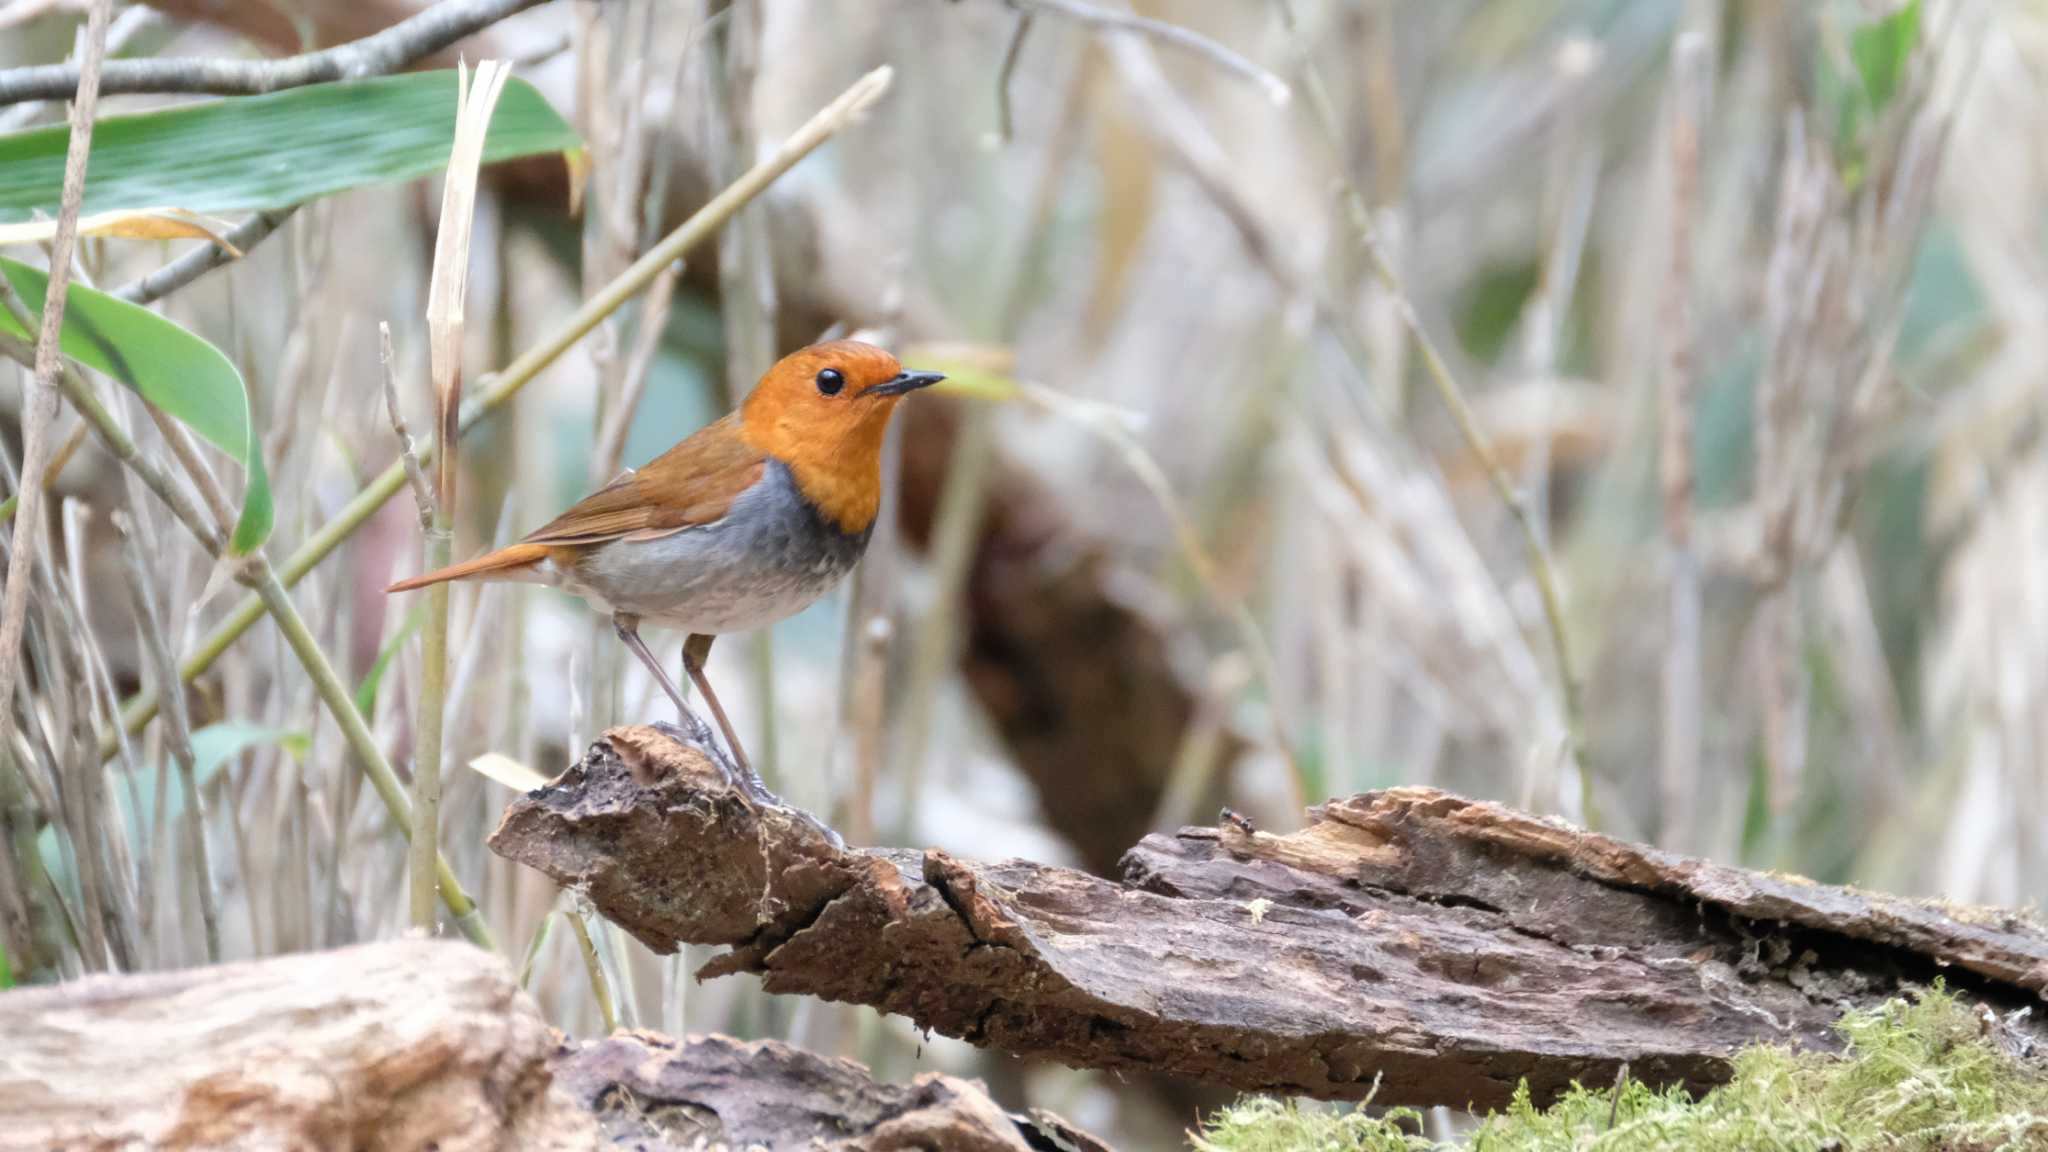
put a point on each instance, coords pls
(132, 22)
(41, 404)
(600, 988)
(415, 476)
(1005, 123)
(1182, 38)
(100, 833)
(178, 730)
(1359, 215)
(198, 262)
(51, 471)
(611, 443)
(829, 122)
(185, 450)
(373, 55)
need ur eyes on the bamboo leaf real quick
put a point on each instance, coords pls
(366, 690)
(1881, 50)
(166, 365)
(216, 744)
(254, 152)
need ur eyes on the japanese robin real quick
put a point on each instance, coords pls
(748, 521)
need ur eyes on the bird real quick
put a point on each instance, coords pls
(747, 521)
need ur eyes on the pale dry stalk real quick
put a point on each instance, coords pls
(1679, 752)
(41, 406)
(447, 294)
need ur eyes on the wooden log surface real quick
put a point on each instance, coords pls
(1442, 948)
(649, 1091)
(397, 1046)
(413, 1044)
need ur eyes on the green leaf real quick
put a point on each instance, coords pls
(166, 365)
(252, 152)
(216, 744)
(6, 970)
(366, 692)
(1881, 50)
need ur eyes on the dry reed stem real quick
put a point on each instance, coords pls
(1173, 35)
(1679, 754)
(177, 732)
(41, 405)
(611, 441)
(408, 451)
(1541, 569)
(447, 296)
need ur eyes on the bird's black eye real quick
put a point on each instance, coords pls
(830, 381)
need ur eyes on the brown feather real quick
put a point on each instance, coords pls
(690, 484)
(500, 563)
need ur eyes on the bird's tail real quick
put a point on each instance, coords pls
(508, 563)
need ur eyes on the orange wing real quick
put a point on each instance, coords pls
(692, 483)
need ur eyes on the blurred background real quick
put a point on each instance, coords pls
(1746, 302)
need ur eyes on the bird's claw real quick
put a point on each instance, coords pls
(743, 780)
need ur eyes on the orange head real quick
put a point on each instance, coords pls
(822, 411)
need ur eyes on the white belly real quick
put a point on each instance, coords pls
(768, 558)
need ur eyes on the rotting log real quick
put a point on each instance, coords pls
(415, 1044)
(1439, 948)
(397, 1046)
(648, 1091)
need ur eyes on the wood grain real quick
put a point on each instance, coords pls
(398, 1046)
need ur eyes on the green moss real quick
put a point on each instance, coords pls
(1918, 1074)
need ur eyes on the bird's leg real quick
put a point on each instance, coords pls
(628, 628)
(696, 650)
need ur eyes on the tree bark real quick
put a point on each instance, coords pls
(649, 1091)
(415, 1044)
(397, 1046)
(1439, 948)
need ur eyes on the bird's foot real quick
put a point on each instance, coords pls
(741, 778)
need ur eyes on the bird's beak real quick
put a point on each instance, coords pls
(906, 382)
